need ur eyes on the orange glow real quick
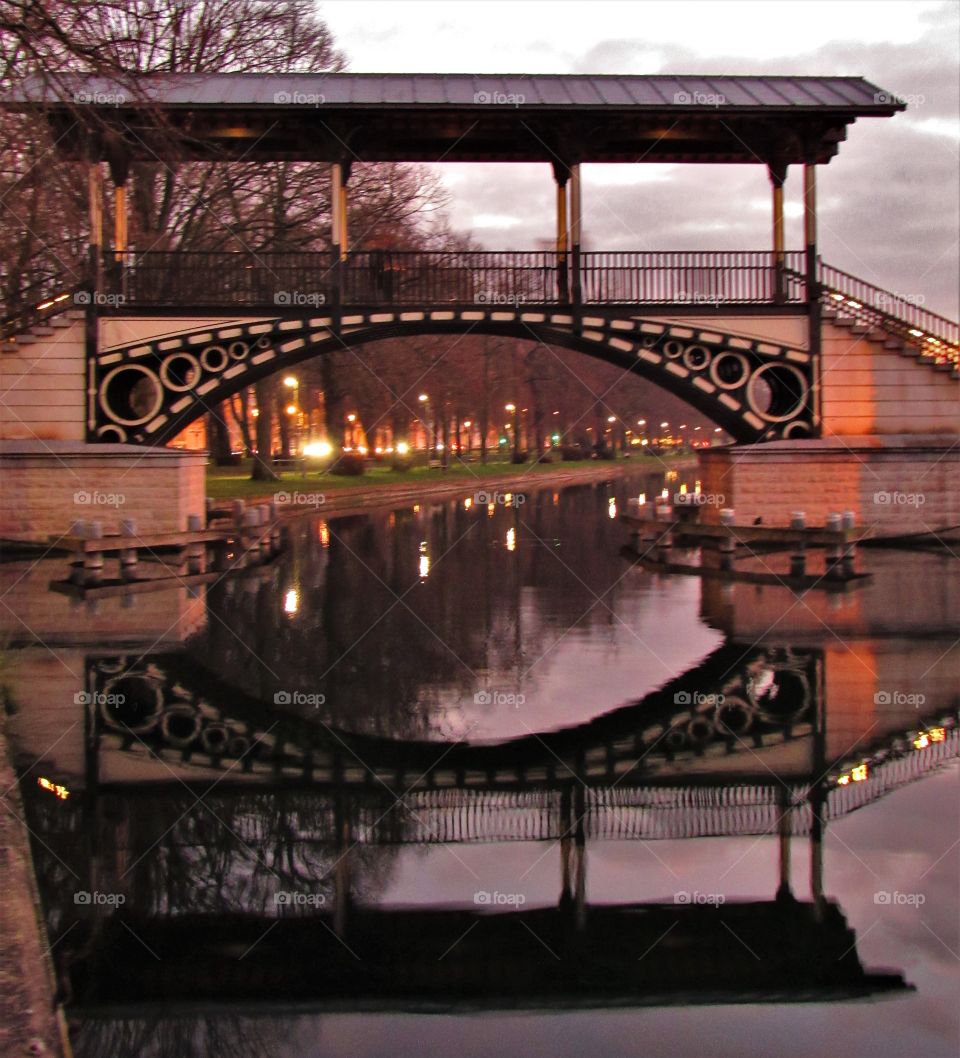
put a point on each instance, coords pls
(55, 788)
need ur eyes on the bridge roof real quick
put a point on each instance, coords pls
(464, 117)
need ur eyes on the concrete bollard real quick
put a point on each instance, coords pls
(93, 560)
(129, 556)
(850, 548)
(834, 551)
(728, 545)
(196, 551)
(798, 557)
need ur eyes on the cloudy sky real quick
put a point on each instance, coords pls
(888, 203)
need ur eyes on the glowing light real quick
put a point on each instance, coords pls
(837, 297)
(491, 507)
(439, 446)
(683, 490)
(468, 503)
(508, 499)
(924, 738)
(696, 488)
(348, 448)
(644, 442)
(468, 424)
(351, 417)
(844, 780)
(424, 567)
(290, 381)
(291, 601)
(403, 448)
(318, 448)
(937, 734)
(255, 412)
(921, 741)
(416, 508)
(859, 773)
(664, 425)
(611, 418)
(324, 535)
(423, 398)
(855, 304)
(612, 507)
(378, 450)
(362, 449)
(510, 407)
(665, 494)
(717, 430)
(291, 409)
(511, 539)
(55, 788)
(916, 333)
(642, 498)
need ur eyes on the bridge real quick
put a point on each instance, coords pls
(773, 345)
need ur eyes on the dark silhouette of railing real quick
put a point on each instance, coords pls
(302, 280)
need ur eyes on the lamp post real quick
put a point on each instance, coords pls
(511, 407)
(293, 384)
(429, 428)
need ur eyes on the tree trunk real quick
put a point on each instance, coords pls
(262, 465)
(219, 435)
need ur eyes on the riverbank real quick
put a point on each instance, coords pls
(308, 492)
(30, 1023)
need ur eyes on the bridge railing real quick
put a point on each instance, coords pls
(179, 278)
(693, 277)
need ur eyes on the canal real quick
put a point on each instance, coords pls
(462, 778)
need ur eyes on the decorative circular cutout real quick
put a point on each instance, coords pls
(648, 341)
(735, 716)
(263, 342)
(131, 394)
(797, 429)
(696, 357)
(238, 350)
(776, 392)
(215, 738)
(700, 730)
(180, 378)
(673, 349)
(119, 433)
(729, 370)
(180, 726)
(675, 738)
(780, 695)
(132, 702)
(214, 358)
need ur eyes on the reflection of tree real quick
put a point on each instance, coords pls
(391, 652)
(213, 1037)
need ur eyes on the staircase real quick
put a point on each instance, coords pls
(910, 330)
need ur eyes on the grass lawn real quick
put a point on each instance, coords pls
(234, 482)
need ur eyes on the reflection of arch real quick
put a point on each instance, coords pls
(756, 390)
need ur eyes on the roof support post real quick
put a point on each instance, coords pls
(778, 175)
(814, 318)
(561, 175)
(336, 233)
(576, 216)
